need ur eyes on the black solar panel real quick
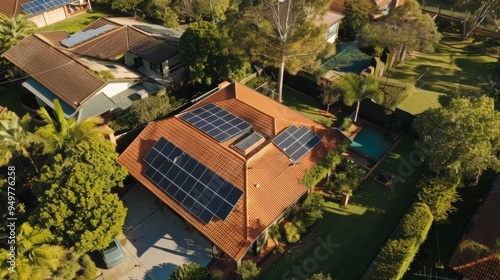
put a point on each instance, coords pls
(39, 6)
(198, 189)
(245, 144)
(216, 122)
(82, 36)
(296, 142)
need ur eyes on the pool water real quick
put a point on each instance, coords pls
(371, 142)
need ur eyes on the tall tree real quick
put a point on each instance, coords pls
(462, 139)
(199, 10)
(61, 131)
(209, 54)
(356, 88)
(439, 194)
(476, 11)
(13, 30)
(357, 14)
(329, 92)
(15, 138)
(127, 6)
(285, 34)
(406, 29)
(74, 195)
(36, 257)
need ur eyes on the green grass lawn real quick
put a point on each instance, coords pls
(361, 228)
(76, 23)
(451, 71)
(308, 106)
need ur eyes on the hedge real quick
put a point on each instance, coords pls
(320, 170)
(396, 255)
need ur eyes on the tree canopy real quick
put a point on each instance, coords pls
(285, 34)
(357, 15)
(209, 54)
(406, 29)
(13, 30)
(461, 139)
(356, 88)
(74, 195)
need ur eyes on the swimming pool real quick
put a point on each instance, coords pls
(371, 142)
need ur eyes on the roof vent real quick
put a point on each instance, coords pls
(143, 94)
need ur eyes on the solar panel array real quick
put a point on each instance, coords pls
(82, 36)
(39, 6)
(216, 122)
(296, 142)
(198, 189)
(247, 143)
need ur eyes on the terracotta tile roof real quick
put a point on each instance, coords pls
(278, 181)
(485, 230)
(58, 72)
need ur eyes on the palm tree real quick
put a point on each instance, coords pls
(61, 131)
(356, 88)
(15, 137)
(481, 250)
(13, 30)
(190, 271)
(36, 258)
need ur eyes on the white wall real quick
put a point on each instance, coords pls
(55, 15)
(332, 32)
(112, 89)
(129, 58)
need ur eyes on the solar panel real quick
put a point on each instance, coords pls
(198, 189)
(296, 142)
(248, 142)
(216, 122)
(39, 6)
(82, 36)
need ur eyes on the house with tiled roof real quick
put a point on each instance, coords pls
(44, 12)
(101, 69)
(484, 229)
(222, 166)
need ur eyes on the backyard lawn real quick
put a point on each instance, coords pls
(308, 106)
(359, 229)
(455, 69)
(76, 23)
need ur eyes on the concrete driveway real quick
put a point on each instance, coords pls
(155, 240)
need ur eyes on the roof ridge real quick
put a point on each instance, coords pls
(469, 264)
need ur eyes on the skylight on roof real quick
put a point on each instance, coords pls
(82, 36)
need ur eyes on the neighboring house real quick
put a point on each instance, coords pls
(44, 12)
(484, 228)
(383, 6)
(217, 165)
(332, 20)
(93, 72)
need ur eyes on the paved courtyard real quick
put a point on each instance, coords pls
(155, 240)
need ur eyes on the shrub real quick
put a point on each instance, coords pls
(312, 209)
(292, 233)
(394, 94)
(320, 170)
(217, 275)
(320, 276)
(248, 270)
(89, 269)
(396, 255)
(69, 269)
(189, 271)
(346, 123)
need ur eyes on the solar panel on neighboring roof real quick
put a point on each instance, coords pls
(247, 143)
(296, 142)
(216, 122)
(82, 36)
(198, 189)
(39, 6)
